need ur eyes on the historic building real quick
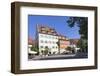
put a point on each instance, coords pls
(74, 42)
(48, 38)
(63, 43)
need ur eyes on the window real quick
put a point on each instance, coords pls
(53, 42)
(49, 36)
(45, 41)
(41, 46)
(53, 47)
(56, 47)
(41, 41)
(46, 36)
(41, 35)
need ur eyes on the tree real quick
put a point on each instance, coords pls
(68, 48)
(71, 49)
(82, 23)
(82, 44)
(35, 49)
(46, 50)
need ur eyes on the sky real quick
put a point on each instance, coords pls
(58, 22)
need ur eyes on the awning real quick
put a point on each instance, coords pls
(32, 52)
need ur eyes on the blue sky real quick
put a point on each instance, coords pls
(57, 22)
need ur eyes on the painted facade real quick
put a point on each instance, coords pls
(49, 37)
(49, 41)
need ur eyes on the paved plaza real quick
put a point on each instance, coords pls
(67, 56)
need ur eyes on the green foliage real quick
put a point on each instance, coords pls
(82, 44)
(68, 48)
(35, 49)
(82, 23)
(46, 50)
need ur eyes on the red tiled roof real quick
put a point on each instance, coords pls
(74, 41)
(50, 31)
